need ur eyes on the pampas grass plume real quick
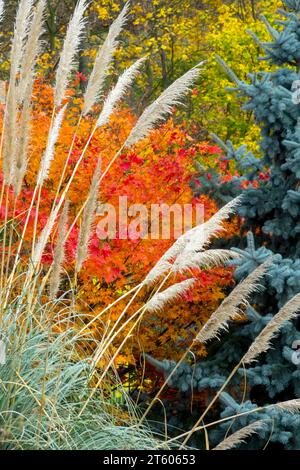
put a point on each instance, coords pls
(70, 49)
(103, 61)
(263, 341)
(239, 436)
(118, 92)
(161, 299)
(50, 148)
(59, 251)
(162, 106)
(230, 307)
(87, 219)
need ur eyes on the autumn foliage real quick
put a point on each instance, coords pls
(158, 170)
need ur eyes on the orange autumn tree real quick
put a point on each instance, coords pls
(157, 170)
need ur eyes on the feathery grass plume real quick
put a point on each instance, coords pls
(230, 307)
(291, 406)
(200, 238)
(43, 238)
(59, 251)
(69, 51)
(165, 264)
(195, 238)
(87, 219)
(10, 136)
(21, 30)
(118, 92)
(226, 211)
(31, 51)
(239, 436)
(206, 259)
(103, 61)
(162, 106)
(22, 25)
(170, 294)
(23, 138)
(263, 341)
(50, 147)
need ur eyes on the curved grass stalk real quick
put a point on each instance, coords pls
(99, 354)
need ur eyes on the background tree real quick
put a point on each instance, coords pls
(173, 36)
